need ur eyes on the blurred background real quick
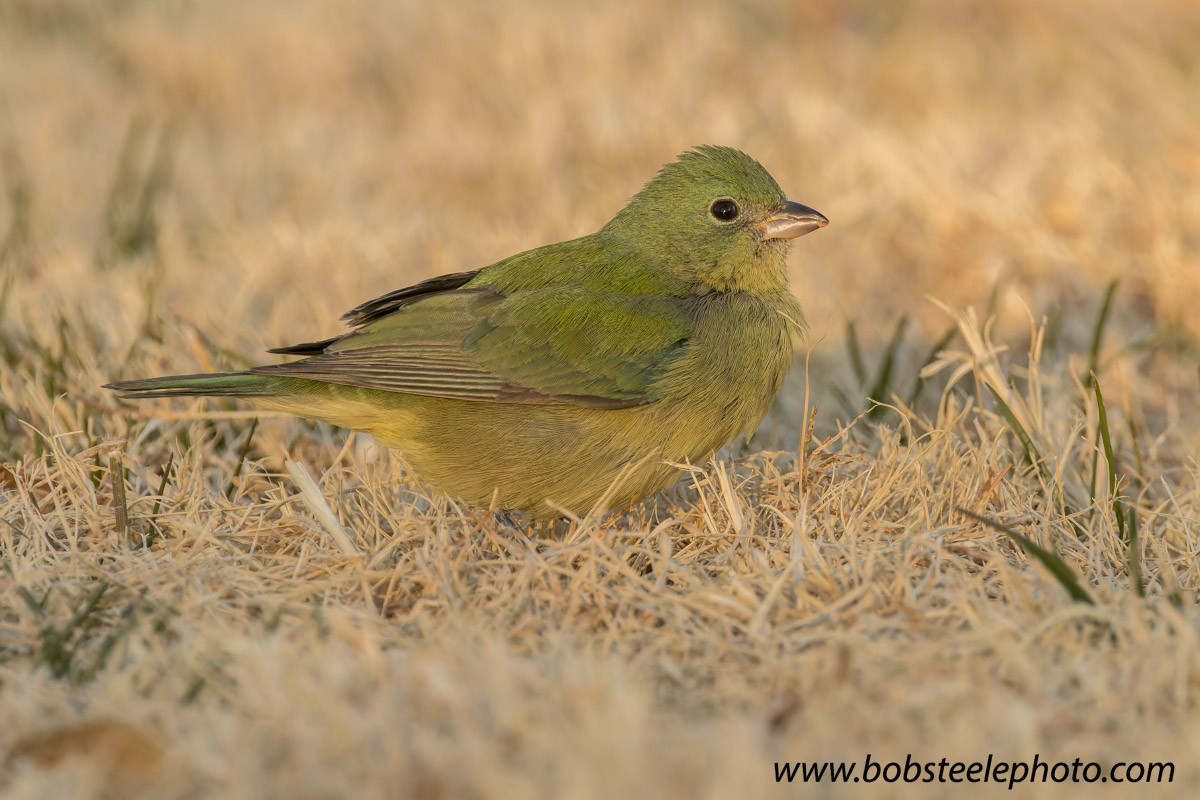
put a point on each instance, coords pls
(244, 172)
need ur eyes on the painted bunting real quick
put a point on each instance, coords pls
(572, 375)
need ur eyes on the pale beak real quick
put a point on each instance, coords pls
(791, 220)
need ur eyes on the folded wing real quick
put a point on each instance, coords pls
(549, 345)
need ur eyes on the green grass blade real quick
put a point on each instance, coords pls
(1035, 458)
(883, 379)
(89, 607)
(1134, 556)
(1106, 438)
(245, 451)
(38, 607)
(107, 645)
(1098, 329)
(854, 350)
(1092, 485)
(849, 406)
(162, 486)
(1051, 560)
(1031, 452)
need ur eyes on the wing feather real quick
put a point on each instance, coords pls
(551, 345)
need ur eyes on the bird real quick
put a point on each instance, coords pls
(575, 376)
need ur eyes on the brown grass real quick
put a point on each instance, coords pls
(185, 184)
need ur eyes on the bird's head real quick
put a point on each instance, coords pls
(716, 218)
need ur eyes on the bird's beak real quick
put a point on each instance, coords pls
(791, 220)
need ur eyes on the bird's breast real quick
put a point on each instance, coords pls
(733, 365)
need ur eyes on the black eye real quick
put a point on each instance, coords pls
(724, 210)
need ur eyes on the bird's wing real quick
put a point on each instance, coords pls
(380, 307)
(552, 345)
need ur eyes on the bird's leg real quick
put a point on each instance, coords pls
(504, 517)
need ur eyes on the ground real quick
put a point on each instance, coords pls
(200, 600)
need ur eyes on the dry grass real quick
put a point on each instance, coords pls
(188, 183)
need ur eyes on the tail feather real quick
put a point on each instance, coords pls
(228, 384)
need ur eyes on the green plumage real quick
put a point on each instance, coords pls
(571, 374)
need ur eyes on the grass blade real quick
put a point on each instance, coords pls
(878, 393)
(1051, 560)
(1031, 452)
(1035, 458)
(1098, 329)
(1134, 557)
(1106, 438)
(162, 486)
(155, 531)
(245, 451)
(116, 473)
(854, 350)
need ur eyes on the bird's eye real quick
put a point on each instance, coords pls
(724, 210)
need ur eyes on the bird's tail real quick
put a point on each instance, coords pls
(228, 384)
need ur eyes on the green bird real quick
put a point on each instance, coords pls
(574, 375)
